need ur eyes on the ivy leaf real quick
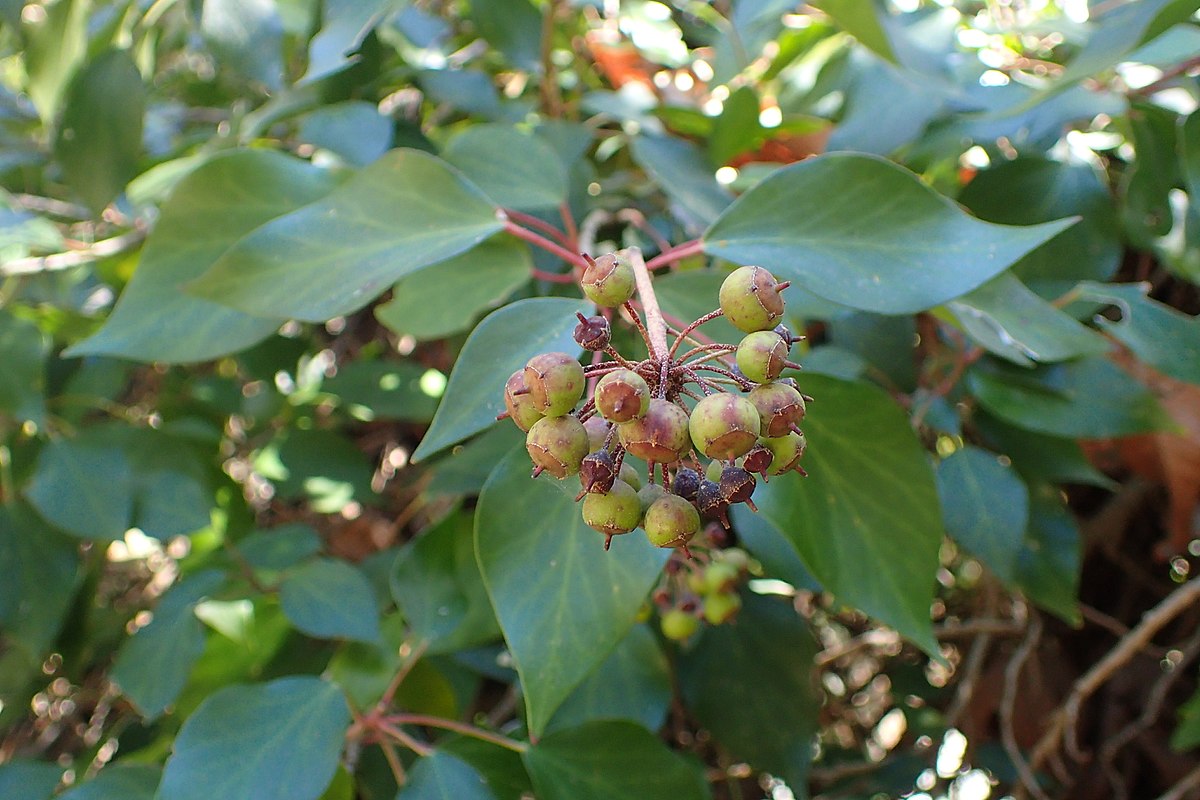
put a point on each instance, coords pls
(23, 379)
(328, 599)
(402, 213)
(1050, 560)
(498, 347)
(269, 720)
(684, 174)
(868, 507)
(99, 140)
(214, 206)
(1090, 398)
(562, 601)
(118, 782)
(514, 168)
(441, 776)
(761, 668)
(152, 666)
(611, 761)
(29, 780)
(985, 506)
(83, 487)
(246, 36)
(893, 245)
(280, 547)
(1162, 337)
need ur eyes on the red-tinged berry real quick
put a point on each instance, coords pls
(779, 406)
(671, 521)
(555, 382)
(592, 333)
(622, 396)
(762, 355)
(758, 459)
(558, 445)
(521, 407)
(737, 485)
(597, 472)
(724, 425)
(788, 450)
(751, 300)
(613, 512)
(711, 503)
(609, 280)
(660, 437)
(597, 430)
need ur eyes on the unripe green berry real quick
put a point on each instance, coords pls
(648, 494)
(622, 395)
(735, 557)
(608, 281)
(719, 577)
(555, 382)
(597, 430)
(779, 407)
(724, 425)
(613, 512)
(750, 299)
(660, 437)
(521, 407)
(558, 445)
(713, 471)
(671, 521)
(630, 475)
(678, 625)
(719, 608)
(762, 355)
(787, 451)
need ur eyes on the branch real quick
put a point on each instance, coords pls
(693, 248)
(75, 258)
(656, 326)
(428, 721)
(1012, 675)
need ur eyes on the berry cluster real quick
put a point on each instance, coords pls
(703, 589)
(744, 417)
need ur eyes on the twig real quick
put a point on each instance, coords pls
(564, 211)
(536, 222)
(679, 340)
(420, 748)
(458, 727)
(533, 238)
(75, 258)
(1062, 725)
(411, 655)
(693, 248)
(1168, 75)
(1012, 674)
(1180, 790)
(656, 326)
(48, 205)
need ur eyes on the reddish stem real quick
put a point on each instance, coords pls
(709, 317)
(550, 247)
(552, 277)
(693, 248)
(534, 222)
(564, 211)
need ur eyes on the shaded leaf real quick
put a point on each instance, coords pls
(684, 174)
(41, 571)
(863, 21)
(246, 36)
(280, 547)
(353, 129)
(28, 780)
(209, 756)
(758, 671)
(83, 487)
(561, 600)
(210, 209)
(514, 168)
(499, 346)
(893, 245)
(1187, 732)
(985, 506)
(1050, 559)
(442, 776)
(118, 782)
(513, 27)
(1162, 337)
(330, 599)
(869, 506)
(23, 379)
(402, 213)
(610, 761)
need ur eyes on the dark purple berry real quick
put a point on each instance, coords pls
(598, 472)
(686, 482)
(592, 333)
(737, 485)
(712, 503)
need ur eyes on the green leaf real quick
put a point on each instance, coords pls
(152, 666)
(1162, 337)
(868, 507)
(371, 390)
(737, 129)
(23, 379)
(1012, 322)
(330, 599)
(41, 571)
(499, 346)
(861, 20)
(738, 676)
(247, 37)
(681, 171)
(280, 547)
(1038, 457)
(268, 720)
(1189, 146)
(118, 782)
(442, 776)
(1090, 398)
(1150, 178)
(445, 298)
(985, 506)
(54, 47)
(611, 761)
(214, 206)
(466, 467)
(562, 601)
(437, 586)
(501, 768)
(28, 780)
(99, 140)
(363, 671)
(321, 465)
(1049, 563)
(353, 129)
(404, 212)
(514, 168)
(1122, 28)
(891, 245)
(344, 26)
(1029, 190)
(83, 487)
(633, 683)
(1187, 732)
(513, 27)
